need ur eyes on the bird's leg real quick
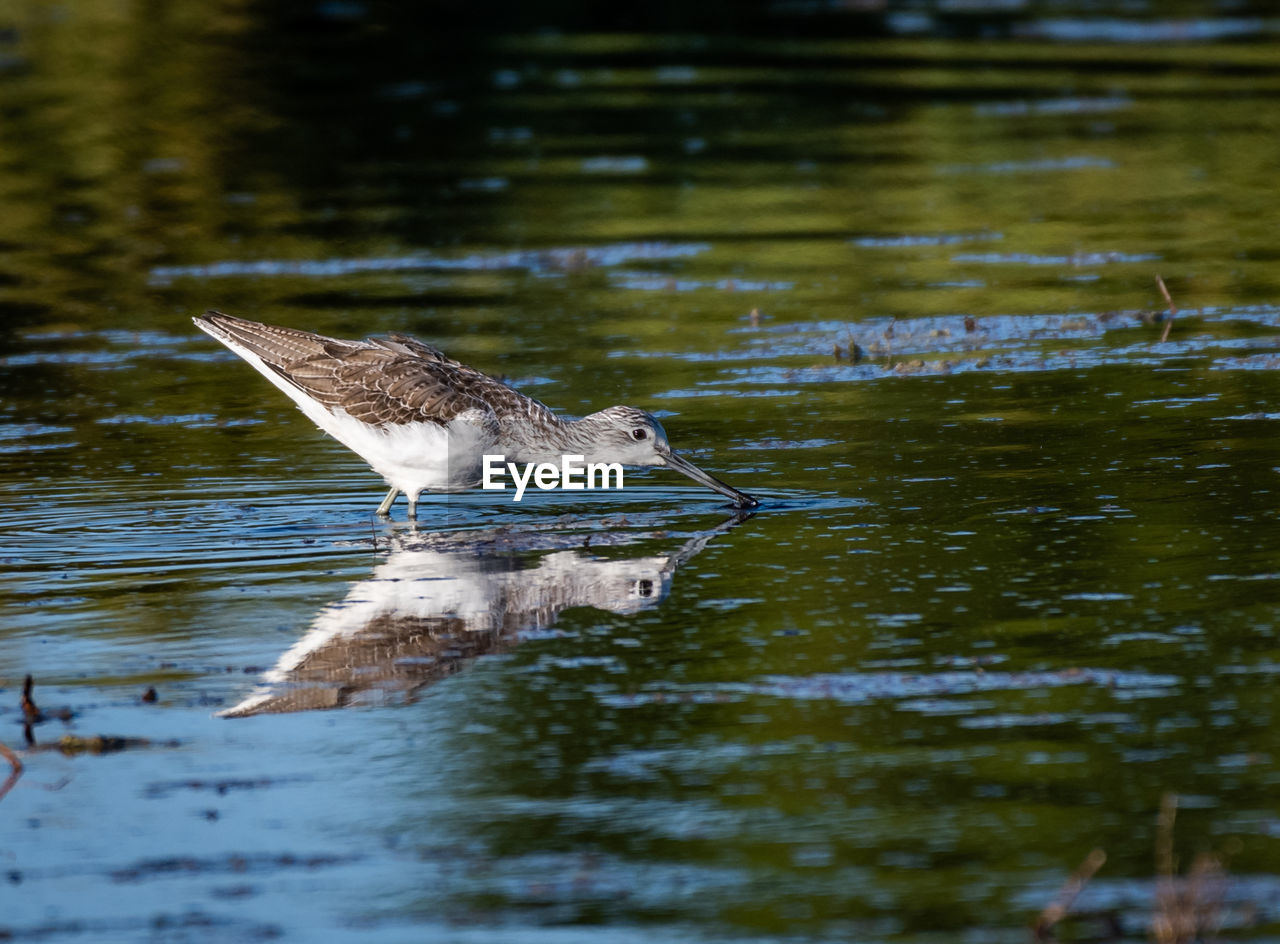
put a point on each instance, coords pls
(385, 508)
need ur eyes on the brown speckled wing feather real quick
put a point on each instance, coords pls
(383, 388)
(383, 381)
(274, 346)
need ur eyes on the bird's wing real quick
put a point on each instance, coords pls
(403, 344)
(508, 405)
(272, 345)
(383, 381)
(384, 388)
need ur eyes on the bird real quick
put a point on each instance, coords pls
(425, 422)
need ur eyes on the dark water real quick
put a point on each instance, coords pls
(1017, 572)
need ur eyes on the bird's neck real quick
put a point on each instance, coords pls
(554, 437)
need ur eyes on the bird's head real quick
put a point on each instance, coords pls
(630, 436)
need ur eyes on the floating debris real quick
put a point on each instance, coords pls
(72, 744)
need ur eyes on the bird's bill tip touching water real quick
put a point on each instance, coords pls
(685, 467)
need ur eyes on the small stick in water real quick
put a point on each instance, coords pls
(29, 710)
(1173, 309)
(1061, 904)
(16, 764)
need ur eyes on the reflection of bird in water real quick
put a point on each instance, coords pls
(433, 606)
(424, 421)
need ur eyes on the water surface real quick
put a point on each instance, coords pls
(1015, 577)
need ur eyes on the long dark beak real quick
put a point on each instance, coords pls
(683, 465)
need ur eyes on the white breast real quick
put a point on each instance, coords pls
(415, 456)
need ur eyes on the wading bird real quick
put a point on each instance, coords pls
(424, 422)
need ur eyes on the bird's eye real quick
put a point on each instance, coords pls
(639, 434)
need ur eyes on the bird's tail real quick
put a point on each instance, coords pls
(274, 346)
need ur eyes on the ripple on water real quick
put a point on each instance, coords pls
(109, 349)
(1052, 106)
(773, 444)
(189, 420)
(649, 282)
(163, 531)
(19, 437)
(1000, 343)
(566, 259)
(719, 392)
(1075, 259)
(916, 240)
(862, 687)
(1076, 162)
(606, 164)
(1124, 30)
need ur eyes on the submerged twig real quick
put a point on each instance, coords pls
(32, 714)
(1187, 909)
(1057, 909)
(1165, 923)
(29, 710)
(1173, 309)
(14, 774)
